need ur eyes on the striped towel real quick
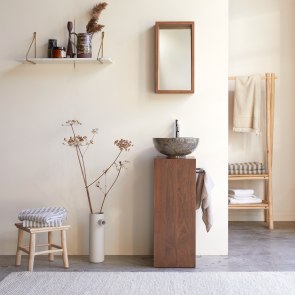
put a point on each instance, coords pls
(29, 223)
(247, 168)
(43, 215)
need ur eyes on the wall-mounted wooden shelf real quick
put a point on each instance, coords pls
(105, 60)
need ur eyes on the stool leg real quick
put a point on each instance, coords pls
(64, 248)
(50, 255)
(32, 251)
(18, 257)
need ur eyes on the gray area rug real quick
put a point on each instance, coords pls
(149, 283)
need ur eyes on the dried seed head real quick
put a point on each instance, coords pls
(71, 123)
(123, 144)
(77, 140)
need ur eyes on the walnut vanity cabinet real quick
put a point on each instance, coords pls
(174, 212)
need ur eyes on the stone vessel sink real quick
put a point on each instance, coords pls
(176, 147)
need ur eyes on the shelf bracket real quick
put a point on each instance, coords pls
(100, 49)
(34, 41)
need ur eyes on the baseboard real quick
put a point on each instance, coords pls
(284, 216)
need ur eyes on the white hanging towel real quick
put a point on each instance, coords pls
(204, 187)
(247, 104)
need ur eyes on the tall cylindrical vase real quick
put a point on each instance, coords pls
(84, 45)
(96, 237)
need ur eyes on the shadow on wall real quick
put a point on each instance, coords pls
(143, 203)
(30, 71)
(146, 61)
(231, 134)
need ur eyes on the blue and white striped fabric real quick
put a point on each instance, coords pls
(246, 168)
(29, 223)
(45, 215)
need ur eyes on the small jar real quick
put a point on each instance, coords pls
(59, 52)
(51, 44)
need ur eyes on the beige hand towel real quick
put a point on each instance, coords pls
(204, 187)
(247, 104)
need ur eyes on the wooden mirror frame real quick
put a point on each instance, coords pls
(177, 24)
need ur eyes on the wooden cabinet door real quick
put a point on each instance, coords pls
(174, 212)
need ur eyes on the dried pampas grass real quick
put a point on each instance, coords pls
(93, 26)
(98, 8)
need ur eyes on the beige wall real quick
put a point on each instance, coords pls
(284, 185)
(261, 39)
(37, 170)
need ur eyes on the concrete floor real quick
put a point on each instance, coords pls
(252, 247)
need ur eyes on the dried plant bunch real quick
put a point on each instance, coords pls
(81, 143)
(93, 26)
(97, 9)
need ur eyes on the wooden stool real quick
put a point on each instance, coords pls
(30, 250)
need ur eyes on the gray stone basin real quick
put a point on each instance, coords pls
(176, 147)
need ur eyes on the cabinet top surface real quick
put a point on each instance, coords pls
(175, 159)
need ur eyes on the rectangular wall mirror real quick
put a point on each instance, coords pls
(174, 57)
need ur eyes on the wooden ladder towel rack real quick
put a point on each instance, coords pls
(267, 204)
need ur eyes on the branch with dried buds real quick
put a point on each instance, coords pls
(81, 145)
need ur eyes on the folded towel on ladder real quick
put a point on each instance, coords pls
(249, 200)
(246, 168)
(241, 197)
(240, 192)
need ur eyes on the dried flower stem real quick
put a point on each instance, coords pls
(81, 144)
(88, 144)
(81, 161)
(83, 170)
(106, 193)
(105, 171)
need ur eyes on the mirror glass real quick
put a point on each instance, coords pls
(174, 57)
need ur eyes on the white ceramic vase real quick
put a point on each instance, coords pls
(96, 237)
